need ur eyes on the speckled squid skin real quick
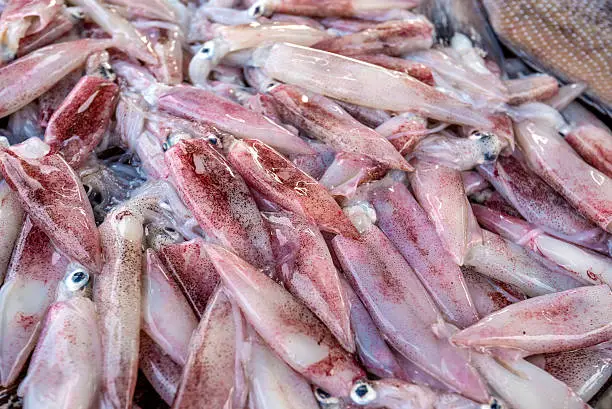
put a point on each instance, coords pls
(407, 225)
(30, 76)
(11, 220)
(489, 295)
(35, 270)
(219, 199)
(53, 196)
(544, 324)
(80, 122)
(286, 325)
(281, 181)
(309, 274)
(160, 370)
(192, 269)
(117, 295)
(210, 369)
(594, 145)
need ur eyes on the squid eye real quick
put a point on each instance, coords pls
(213, 140)
(76, 279)
(169, 230)
(258, 9)
(208, 50)
(493, 405)
(362, 393)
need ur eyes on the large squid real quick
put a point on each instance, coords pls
(219, 199)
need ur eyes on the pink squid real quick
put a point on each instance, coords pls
(219, 199)
(30, 76)
(335, 76)
(315, 8)
(490, 295)
(60, 25)
(400, 217)
(348, 171)
(51, 193)
(160, 370)
(281, 181)
(403, 310)
(536, 87)
(583, 186)
(36, 269)
(306, 269)
(545, 324)
(594, 145)
(167, 316)
(415, 69)
(11, 220)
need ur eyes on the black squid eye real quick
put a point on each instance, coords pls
(363, 393)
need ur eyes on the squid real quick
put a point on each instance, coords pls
(79, 124)
(373, 351)
(314, 8)
(322, 119)
(21, 18)
(594, 145)
(405, 131)
(394, 38)
(11, 220)
(509, 263)
(210, 371)
(27, 78)
(347, 172)
(192, 270)
(536, 87)
(219, 199)
(490, 295)
(583, 186)
(367, 116)
(307, 270)
(545, 324)
(400, 217)
(66, 367)
(335, 76)
(404, 311)
(415, 69)
(51, 193)
(34, 273)
(303, 342)
(281, 181)
(167, 316)
(228, 39)
(203, 106)
(473, 182)
(117, 295)
(566, 95)
(61, 24)
(583, 264)
(124, 34)
(439, 190)
(540, 204)
(172, 11)
(160, 370)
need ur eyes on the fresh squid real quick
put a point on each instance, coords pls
(347, 172)
(405, 131)
(315, 8)
(219, 199)
(30, 76)
(11, 220)
(400, 217)
(167, 316)
(583, 264)
(594, 145)
(403, 311)
(417, 70)
(489, 295)
(583, 186)
(439, 190)
(545, 324)
(36, 269)
(307, 270)
(335, 76)
(61, 24)
(282, 182)
(160, 370)
(51, 193)
(66, 367)
(537, 87)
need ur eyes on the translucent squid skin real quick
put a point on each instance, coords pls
(372, 263)
(583, 186)
(287, 326)
(79, 124)
(51, 193)
(540, 204)
(35, 270)
(167, 316)
(489, 295)
(117, 295)
(282, 182)
(160, 370)
(307, 270)
(193, 271)
(545, 324)
(347, 172)
(21, 18)
(11, 220)
(394, 38)
(318, 8)
(322, 119)
(30, 76)
(594, 145)
(584, 265)
(335, 76)
(66, 368)
(537, 87)
(219, 199)
(400, 217)
(210, 367)
(417, 70)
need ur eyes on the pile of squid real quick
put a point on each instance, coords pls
(292, 204)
